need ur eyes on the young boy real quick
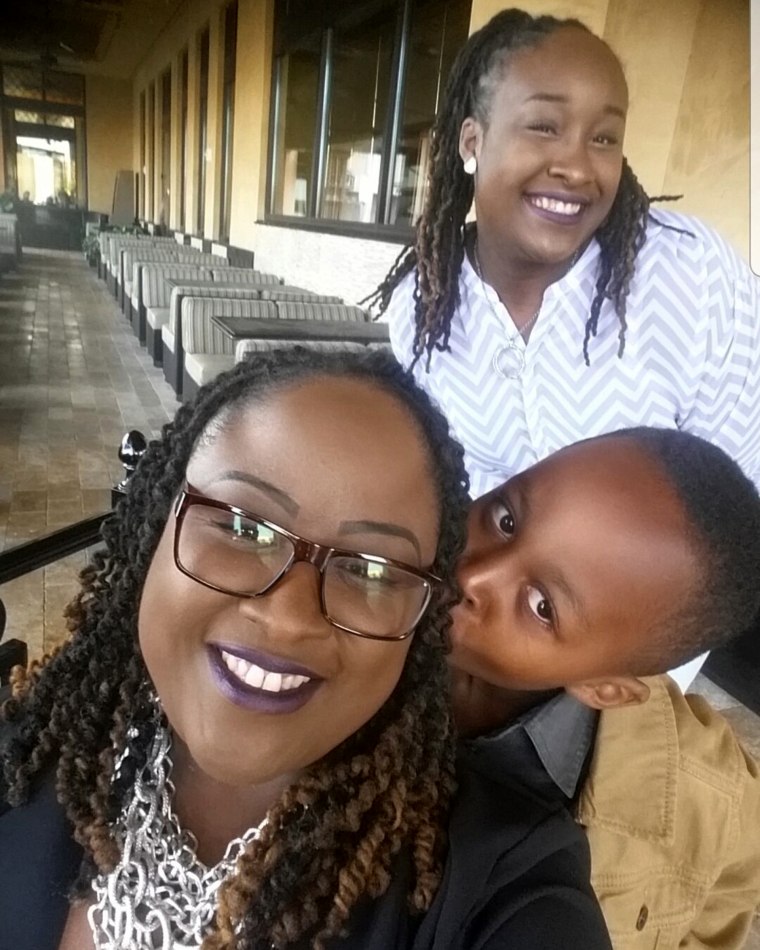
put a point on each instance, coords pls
(615, 559)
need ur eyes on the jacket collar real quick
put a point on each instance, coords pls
(642, 741)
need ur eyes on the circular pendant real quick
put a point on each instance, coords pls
(509, 361)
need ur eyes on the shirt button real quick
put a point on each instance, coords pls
(642, 918)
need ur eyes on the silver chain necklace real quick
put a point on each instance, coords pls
(160, 896)
(509, 359)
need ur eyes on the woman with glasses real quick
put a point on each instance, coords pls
(246, 742)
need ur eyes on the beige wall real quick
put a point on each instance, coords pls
(252, 89)
(687, 64)
(109, 137)
(255, 19)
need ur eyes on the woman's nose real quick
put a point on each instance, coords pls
(571, 162)
(293, 604)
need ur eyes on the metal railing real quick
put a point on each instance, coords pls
(38, 553)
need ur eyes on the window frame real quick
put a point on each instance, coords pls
(381, 229)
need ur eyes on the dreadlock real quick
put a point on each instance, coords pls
(333, 835)
(439, 248)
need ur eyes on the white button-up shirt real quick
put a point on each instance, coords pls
(691, 359)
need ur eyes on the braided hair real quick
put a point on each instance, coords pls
(439, 247)
(332, 837)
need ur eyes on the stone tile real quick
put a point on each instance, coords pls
(95, 500)
(747, 727)
(717, 697)
(29, 501)
(753, 942)
(68, 364)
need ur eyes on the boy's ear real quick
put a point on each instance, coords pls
(469, 138)
(610, 691)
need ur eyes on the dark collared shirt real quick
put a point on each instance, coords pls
(546, 749)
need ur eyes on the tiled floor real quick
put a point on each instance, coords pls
(73, 380)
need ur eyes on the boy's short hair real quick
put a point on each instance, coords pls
(722, 507)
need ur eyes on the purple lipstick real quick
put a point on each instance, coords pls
(559, 208)
(260, 682)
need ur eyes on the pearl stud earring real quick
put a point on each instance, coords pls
(470, 166)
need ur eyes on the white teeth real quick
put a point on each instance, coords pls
(259, 678)
(558, 207)
(255, 676)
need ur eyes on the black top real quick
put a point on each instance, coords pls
(516, 877)
(548, 748)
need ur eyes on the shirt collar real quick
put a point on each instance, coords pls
(561, 732)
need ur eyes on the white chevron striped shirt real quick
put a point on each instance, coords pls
(691, 360)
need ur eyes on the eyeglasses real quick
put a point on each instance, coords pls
(235, 552)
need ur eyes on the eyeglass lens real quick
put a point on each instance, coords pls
(243, 556)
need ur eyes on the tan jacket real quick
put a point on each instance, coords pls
(672, 811)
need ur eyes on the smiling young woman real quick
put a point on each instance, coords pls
(246, 743)
(571, 308)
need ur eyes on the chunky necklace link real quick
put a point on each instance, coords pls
(160, 896)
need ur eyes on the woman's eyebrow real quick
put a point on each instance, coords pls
(381, 527)
(555, 97)
(280, 497)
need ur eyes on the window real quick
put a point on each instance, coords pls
(143, 158)
(350, 136)
(150, 192)
(203, 64)
(42, 118)
(166, 145)
(296, 84)
(183, 158)
(362, 59)
(228, 117)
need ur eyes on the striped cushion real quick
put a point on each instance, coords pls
(133, 256)
(157, 317)
(199, 335)
(243, 293)
(203, 367)
(245, 348)
(122, 241)
(306, 310)
(155, 290)
(167, 337)
(190, 255)
(245, 275)
(297, 295)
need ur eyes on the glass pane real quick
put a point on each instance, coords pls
(166, 144)
(358, 106)
(228, 118)
(438, 31)
(46, 171)
(295, 131)
(45, 118)
(143, 154)
(183, 149)
(379, 599)
(32, 82)
(202, 130)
